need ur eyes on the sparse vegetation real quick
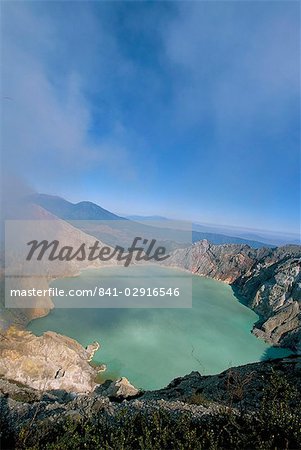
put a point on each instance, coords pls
(276, 425)
(198, 399)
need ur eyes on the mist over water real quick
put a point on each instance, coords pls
(152, 346)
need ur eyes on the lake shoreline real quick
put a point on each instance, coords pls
(188, 355)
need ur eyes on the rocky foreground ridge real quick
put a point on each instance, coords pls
(251, 406)
(267, 280)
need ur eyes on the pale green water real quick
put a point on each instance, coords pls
(152, 346)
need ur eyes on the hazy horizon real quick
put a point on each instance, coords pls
(222, 228)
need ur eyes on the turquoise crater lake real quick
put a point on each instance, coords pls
(152, 346)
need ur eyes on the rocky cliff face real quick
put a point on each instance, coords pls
(272, 288)
(51, 361)
(267, 280)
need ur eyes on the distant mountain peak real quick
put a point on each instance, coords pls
(84, 210)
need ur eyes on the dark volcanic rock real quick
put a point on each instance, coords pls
(201, 396)
(243, 383)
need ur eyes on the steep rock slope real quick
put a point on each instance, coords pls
(267, 280)
(50, 361)
(67, 235)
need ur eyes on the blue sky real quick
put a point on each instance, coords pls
(184, 109)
